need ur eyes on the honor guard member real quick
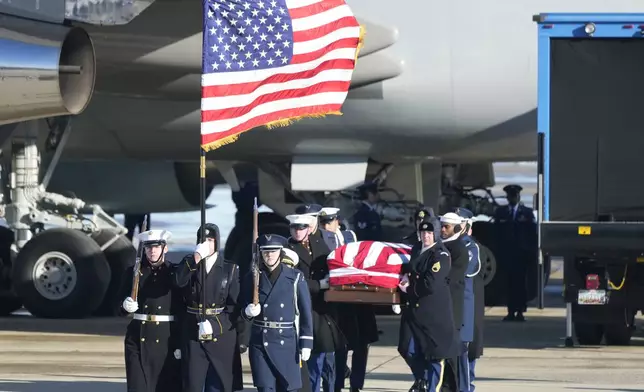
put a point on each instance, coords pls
(473, 269)
(367, 220)
(312, 252)
(427, 334)
(314, 210)
(281, 334)
(210, 348)
(357, 322)
(514, 223)
(152, 340)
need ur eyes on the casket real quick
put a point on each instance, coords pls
(366, 272)
(362, 294)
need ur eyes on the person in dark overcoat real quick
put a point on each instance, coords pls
(427, 334)
(152, 341)
(516, 235)
(281, 335)
(315, 229)
(476, 347)
(312, 252)
(211, 346)
(357, 322)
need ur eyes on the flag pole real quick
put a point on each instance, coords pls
(202, 202)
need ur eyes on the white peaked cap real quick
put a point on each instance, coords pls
(452, 219)
(301, 219)
(329, 211)
(290, 253)
(154, 236)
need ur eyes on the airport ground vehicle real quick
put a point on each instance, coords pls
(589, 124)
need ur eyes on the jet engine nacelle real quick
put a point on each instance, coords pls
(46, 70)
(134, 187)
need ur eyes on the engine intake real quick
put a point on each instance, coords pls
(46, 70)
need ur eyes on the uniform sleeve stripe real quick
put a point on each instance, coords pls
(306, 337)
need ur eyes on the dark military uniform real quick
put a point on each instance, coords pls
(327, 335)
(153, 336)
(219, 358)
(283, 328)
(476, 347)
(515, 228)
(427, 334)
(367, 221)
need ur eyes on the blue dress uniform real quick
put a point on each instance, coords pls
(467, 330)
(427, 334)
(367, 221)
(152, 336)
(283, 328)
(215, 364)
(514, 223)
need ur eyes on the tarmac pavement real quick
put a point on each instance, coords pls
(87, 355)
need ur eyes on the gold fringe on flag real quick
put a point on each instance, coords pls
(221, 142)
(286, 121)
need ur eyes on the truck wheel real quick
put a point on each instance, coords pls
(61, 273)
(589, 334)
(618, 334)
(120, 255)
(488, 269)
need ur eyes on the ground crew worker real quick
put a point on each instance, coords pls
(312, 253)
(514, 223)
(367, 220)
(427, 334)
(282, 324)
(473, 269)
(357, 322)
(152, 340)
(210, 347)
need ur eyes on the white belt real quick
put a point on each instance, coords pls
(152, 317)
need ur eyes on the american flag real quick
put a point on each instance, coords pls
(266, 62)
(368, 262)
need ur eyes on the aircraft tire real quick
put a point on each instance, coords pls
(120, 255)
(61, 273)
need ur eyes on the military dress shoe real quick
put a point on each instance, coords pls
(355, 389)
(520, 317)
(510, 317)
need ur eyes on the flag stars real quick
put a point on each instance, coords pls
(254, 13)
(226, 29)
(273, 3)
(287, 44)
(284, 60)
(218, 22)
(249, 38)
(270, 28)
(271, 45)
(228, 64)
(215, 66)
(255, 29)
(233, 38)
(241, 30)
(278, 53)
(222, 57)
(278, 36)
(234, 56)
(255, 63)
(263, 37)
(224, 13)
(278, 19)
(256, 46)
(246, 5)
(260, 4)
(226, 47)
(262, 20)
(282, 11)
(241, 64)
(240, 13)
(270, 61)
(241, 47)
(285, 27)
(212, 31)
(248, 55)
(211, 13)
(214, 48)
(220, 39)
(262, 53)
(248, 21)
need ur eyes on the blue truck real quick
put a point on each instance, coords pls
(591, 168)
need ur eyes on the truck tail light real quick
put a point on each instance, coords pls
(592, 282)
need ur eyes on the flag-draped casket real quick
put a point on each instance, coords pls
(366, 271)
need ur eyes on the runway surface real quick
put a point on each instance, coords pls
(87, 355)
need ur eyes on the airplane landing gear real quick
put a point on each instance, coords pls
(62, 272)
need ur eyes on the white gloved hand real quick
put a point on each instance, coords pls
(252, 310)
(130, 305)
(396, 308)
(306, 354)
(177, 354)
(404, 283)
(203, 249)
(324, 283)
(205, 328)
